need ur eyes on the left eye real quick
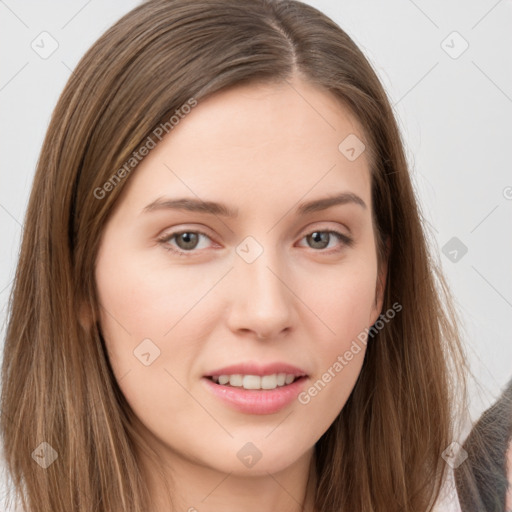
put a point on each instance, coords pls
(187, 241)
(323, 237)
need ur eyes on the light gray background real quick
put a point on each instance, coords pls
(455, 115)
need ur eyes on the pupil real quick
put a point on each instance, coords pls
(320, 237)
(190, 240)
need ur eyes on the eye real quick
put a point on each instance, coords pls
(320, 239)
(186, 241)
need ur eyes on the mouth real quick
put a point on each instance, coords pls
(256, 388)
(256, 394)
(256, 382)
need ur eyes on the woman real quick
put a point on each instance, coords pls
(224, 298)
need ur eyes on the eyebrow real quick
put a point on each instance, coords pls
(220, 209)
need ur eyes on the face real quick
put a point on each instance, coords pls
(190, 298)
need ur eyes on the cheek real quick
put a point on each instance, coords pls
(145, 300)
(144, 324)
(148, 309)
(342, 299)
(343, 303)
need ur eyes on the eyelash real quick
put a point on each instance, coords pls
(346, 241)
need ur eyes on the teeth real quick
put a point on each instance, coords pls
(223, 379)
(255, 381)
(251, 382)
(235, 380)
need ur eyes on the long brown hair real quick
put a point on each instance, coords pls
(383, 452)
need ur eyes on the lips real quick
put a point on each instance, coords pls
(256, 389)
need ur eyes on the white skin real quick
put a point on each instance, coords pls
(262, 149)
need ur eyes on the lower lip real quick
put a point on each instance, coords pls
(257, 401)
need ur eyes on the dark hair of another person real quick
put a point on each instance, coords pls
(482, 478)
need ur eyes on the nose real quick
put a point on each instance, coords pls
(262, 298)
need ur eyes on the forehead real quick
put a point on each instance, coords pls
(288, 113)
(256, 142)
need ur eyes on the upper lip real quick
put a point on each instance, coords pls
(251, 368)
